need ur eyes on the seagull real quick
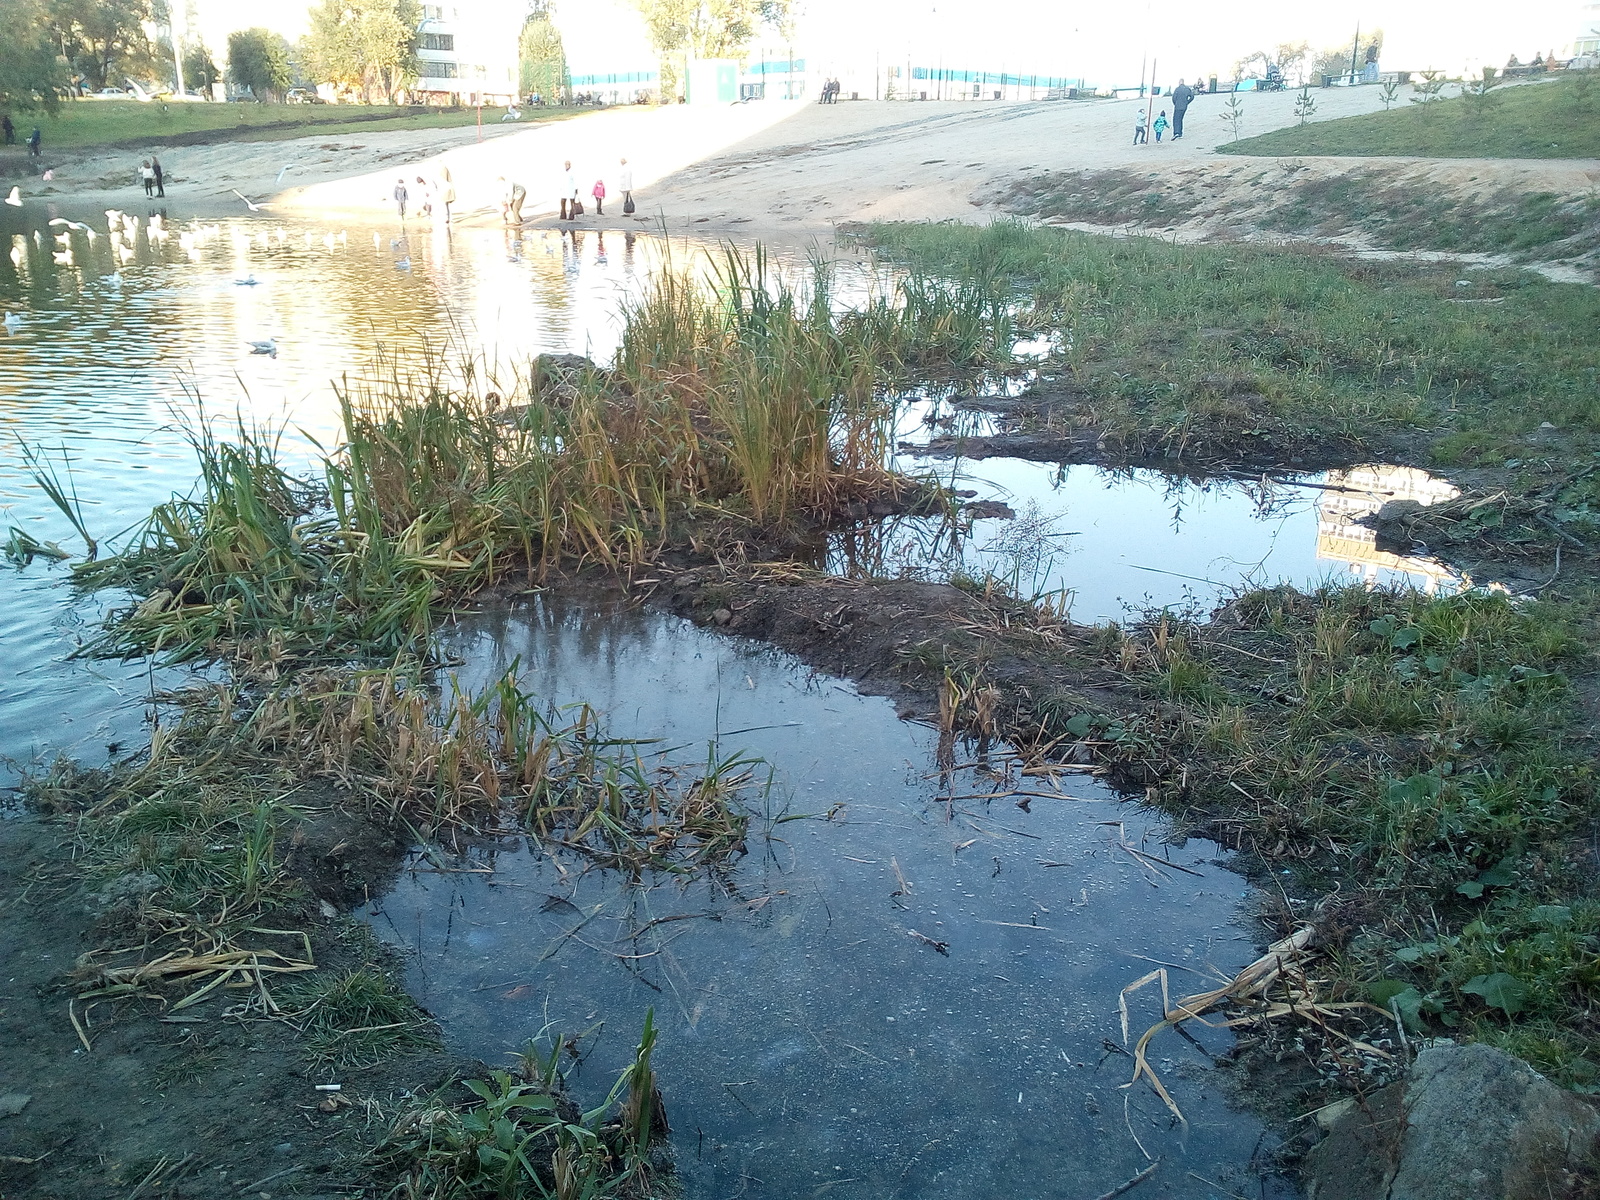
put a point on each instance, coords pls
(247, 281)
(403, 264)
(57, 222)
(248, 203)
(287, 167)
(268, 347)
(15, 198)
(12, 321)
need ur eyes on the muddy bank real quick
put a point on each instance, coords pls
(117, 1094)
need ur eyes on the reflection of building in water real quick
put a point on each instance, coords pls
(1361, 492)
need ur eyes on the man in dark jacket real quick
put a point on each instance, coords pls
(1182, 95)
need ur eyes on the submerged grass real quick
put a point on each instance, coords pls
(1233, 353)
(741, 402)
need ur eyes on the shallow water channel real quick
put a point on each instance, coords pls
(813, 1040)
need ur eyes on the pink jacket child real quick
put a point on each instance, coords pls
(599, 194)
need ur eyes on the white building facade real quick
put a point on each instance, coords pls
(467, 53)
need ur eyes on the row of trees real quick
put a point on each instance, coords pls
(1295, 60)
(48, 48)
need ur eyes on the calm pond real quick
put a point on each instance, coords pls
(814, 1041)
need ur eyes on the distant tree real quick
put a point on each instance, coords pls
(1291, 59)
(365, 44)
(1479, 95)
(199, 71)
(31, 76)
(1389, 93)
(105, 41)
(258, 60)
(1233, 115)
(542, 55)
(684, 29)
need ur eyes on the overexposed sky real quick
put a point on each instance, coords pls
(1101, 42)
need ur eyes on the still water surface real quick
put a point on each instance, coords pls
(813, 1043)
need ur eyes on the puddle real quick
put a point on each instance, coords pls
(1133, 539)
(811, 1043)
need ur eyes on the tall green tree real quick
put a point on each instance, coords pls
(258, 59)
(105, 41)
(684, 29)
(31, 75)
(199, 71)
(365, 44)
(541, 53)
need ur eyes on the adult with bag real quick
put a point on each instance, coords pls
(625, 186)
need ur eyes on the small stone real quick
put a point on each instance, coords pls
(327, 909)
(13, 1103)
(1546, 425)
(722, 616)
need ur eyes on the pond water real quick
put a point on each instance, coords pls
(114, 353)
(812, 1040)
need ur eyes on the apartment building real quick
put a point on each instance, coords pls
(467, 52)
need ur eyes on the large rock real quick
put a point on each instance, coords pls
(1467, 1123)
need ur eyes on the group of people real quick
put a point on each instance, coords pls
(571, 206)
(441, 189)
(153, 177)
(1182, 97)
(9, 128)
(830, 91)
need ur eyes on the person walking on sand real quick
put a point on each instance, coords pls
(33, 142)
(10, 129)
(148, 177)
(424, 204)
(1160, 125)
(625, 186)
(1139, 130)
(1182, 97)
(401, 195)
(161, 178)
(599, 194)
(569, 192)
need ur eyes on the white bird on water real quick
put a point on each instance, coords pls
(247, 281)
(403, 264)
(248, 203)
(15, 198)
(268, 347)
(58, 222)
(13, 322)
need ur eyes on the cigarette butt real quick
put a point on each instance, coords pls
(329, 1087)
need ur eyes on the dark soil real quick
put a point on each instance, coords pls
(194, 1105)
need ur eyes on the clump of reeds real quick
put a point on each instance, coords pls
(739, 400)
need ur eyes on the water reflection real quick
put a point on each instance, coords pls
(1115, 540)
(118, 342)
(812, 1038)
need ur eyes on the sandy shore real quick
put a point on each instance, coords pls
(767, 168)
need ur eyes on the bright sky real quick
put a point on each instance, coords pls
(1104, 43)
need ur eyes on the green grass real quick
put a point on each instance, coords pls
(83, 124)
(1234, 353)
(1553, 119)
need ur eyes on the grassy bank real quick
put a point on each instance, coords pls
(1245, 355)
(1387, 207)
(86, 124)
(1552, 119)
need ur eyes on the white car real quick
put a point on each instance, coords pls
(111, 93)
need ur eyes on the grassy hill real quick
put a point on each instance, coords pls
(1558, 118)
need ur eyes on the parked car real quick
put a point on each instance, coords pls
(112, 93)
(302, 96)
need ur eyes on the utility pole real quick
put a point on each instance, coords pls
(175, 25)
(1355, 50)
(1150, 109)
